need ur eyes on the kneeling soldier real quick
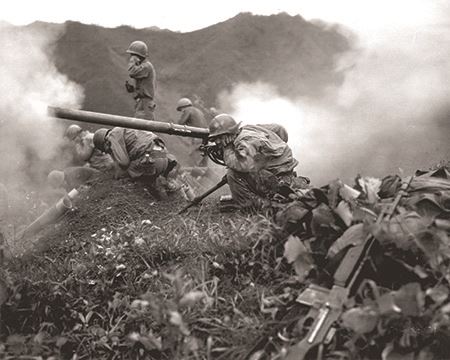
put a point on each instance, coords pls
(140, 154)
(258, 158)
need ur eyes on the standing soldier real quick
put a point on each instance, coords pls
(258, 159)
(192, 116)
(143, 73)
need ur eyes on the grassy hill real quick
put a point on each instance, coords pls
(123, 276)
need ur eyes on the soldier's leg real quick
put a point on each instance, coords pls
(145, 109)
(79, 175)
(242, 188)
(160, 172)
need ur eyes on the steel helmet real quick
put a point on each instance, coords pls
(183, 102)
(138, 48)
(56, 178)
(99, 138)
(72, 132)
(222, 124)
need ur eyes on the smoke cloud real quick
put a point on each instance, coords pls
(391, 111)
(29, 81)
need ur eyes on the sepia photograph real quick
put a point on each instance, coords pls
(193, 180)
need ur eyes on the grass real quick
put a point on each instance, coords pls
(168, 287)
(125, 277)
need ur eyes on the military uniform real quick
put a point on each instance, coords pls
(86, 151)
(144, 77)
(258, 161)
(76, 176)
(191, 116)
(139, 152)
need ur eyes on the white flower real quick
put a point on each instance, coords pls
(139, 241)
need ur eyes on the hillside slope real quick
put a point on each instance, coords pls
(294, 55)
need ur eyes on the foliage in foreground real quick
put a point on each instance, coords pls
(188, 289)
(224, 287)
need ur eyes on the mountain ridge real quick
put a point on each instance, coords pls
(295, 56)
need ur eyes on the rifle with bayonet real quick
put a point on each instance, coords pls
(198, 199)
(327, 305)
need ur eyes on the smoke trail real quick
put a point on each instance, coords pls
(30, 81)
(392, 110)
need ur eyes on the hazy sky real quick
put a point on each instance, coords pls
(362, 15)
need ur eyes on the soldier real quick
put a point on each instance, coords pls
(192, 116)
(140, 154)
(71, 177)
(85, 151)
(143, 73)
(259, 160)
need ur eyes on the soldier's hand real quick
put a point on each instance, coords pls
(129, 87)
(227, 140)
(134, 60)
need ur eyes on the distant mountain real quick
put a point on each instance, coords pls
(294, 55)
(286, 51)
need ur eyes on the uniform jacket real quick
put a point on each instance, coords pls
(144, 76)
(258, 148)
(191, 116)
(75, 176)
(130, 148)
(86, 151)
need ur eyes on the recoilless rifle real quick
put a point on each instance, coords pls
(327, 305)
(140, 124)
(207, 149)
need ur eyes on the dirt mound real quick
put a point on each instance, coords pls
(117, 244)
(106, 203)
(103, 204)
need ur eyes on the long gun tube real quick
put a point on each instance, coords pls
(51, 215)
(128, 122)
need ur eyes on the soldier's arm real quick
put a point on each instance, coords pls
(118, 150)
(243, 157)
(184, 117)
(84, 149)
(136, 69)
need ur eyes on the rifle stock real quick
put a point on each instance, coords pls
(327, 305)
(199, 198)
